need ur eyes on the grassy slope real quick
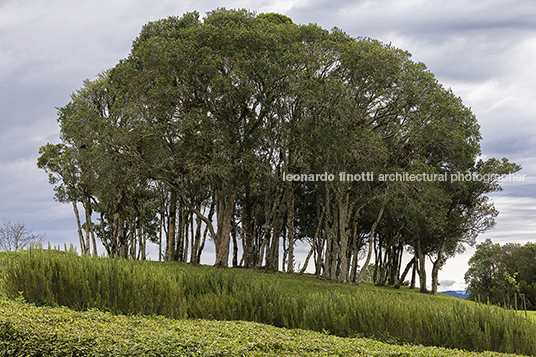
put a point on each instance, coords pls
(530, 314)
(30, 330)
(291, 285)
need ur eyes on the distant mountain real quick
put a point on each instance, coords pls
(461, 294)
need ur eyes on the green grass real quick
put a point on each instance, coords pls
(44, 331)
(283, 300)
(530, 314)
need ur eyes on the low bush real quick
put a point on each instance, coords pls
(27, 330)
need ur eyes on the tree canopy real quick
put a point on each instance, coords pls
(246, 127)
(500, 274)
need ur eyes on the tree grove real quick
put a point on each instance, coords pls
(194, 135)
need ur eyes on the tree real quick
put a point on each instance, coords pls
(498, 274)
(17, 236)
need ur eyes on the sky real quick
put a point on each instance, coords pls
(483, 50)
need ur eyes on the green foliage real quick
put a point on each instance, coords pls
(275, 18)
(499, 274)
(26, 330)
(283, 300)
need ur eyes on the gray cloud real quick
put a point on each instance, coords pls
(445, 284)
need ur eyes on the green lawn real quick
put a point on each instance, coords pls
(530, 314)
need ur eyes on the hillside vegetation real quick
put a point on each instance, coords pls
(29, 330)
(48, 277)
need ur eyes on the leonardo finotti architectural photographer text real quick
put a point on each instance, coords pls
(406, 176)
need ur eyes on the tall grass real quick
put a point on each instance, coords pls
(149, 288)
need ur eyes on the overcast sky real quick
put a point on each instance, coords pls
(484, 50)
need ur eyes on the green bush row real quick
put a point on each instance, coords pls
(27, 330)
(48, 277)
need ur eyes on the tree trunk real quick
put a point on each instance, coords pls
(342, 203)
(355, 255)
(329, 230)
(87, 209)
(181, 228)
(400, 281)
(235, 245)
(194, 257)
(436, 266)
(207, 220)
(273, 263)
(414, 270)
(223, 235)
(170, 247)
(313, 245)
(116, 233)
(121, 236)
(104, 237)
(134, 238)
(271, 212)
(141, 237)
(290, 228)
(80, 234)
(91, 230)
(248, 229)
(371, 242)
(422, 268)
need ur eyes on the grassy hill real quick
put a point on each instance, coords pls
(43, 331)
(289, 301)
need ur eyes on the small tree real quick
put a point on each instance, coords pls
(16, 236)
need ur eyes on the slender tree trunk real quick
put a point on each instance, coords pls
(116, 233)
(134, 238)
(272, 210)
(91, 230)
(141, 240)
(313, 245)
(208, 227)
(104, 236)
(223, 236)
(182, 229)
(414, 270)
(194, 257)
(436, 266)
(87, 209)
(208, 223)
(422, 268)
(170, 248)
(342, 203)
(235, 245)
(400, 281)
(355, 256)
(371, 241)
(290, 227)
(248, 228)
(273, 263)
(329, 230)
(80, 234)
(121, 234)
(188, 235)
(162, 218)
(328, 257)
